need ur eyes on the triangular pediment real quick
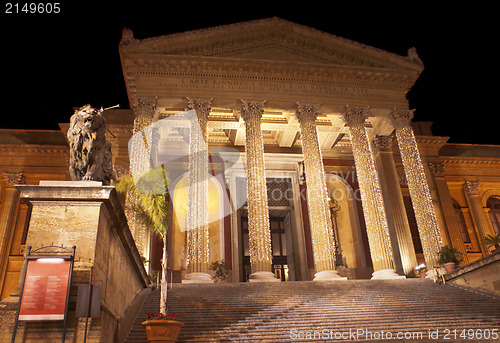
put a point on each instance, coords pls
(270, 39)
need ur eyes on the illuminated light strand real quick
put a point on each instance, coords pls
(418, 186)
(140, 162)
(371, 195)
(258, 214)
(317, 193)
(198, 244)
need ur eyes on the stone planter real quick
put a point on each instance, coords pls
(449, 267)
(162, 331)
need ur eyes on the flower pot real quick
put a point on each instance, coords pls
(162, 331)
(449, 267)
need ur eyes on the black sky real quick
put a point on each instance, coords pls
(52, 63)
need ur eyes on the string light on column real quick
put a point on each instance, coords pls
(371, 195)
(258, 214)
(198, 250)
(420, 194)
(317, 193)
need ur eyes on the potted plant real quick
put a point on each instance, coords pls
(494, 241)
(449, 258)
(161, 328)
(220, 270)
(151, 207)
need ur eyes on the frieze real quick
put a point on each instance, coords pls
(281, 87)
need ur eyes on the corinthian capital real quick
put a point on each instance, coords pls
(471, 187)
(437, 169)
(307, 112)
(12, 179)
(355, 115)
(401, 118)
(382, 143)
(252, 109)
(201, 106)
(145, 106)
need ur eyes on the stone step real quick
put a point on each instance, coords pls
(267, 312)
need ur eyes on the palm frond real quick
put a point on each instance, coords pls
(150, 209)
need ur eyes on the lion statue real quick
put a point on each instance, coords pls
(90, 152)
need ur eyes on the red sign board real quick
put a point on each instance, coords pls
(45, 289)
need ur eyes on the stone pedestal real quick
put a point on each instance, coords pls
(328, 275)
(90, 217)
(263, 277)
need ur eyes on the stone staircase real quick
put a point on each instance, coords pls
(411, 310)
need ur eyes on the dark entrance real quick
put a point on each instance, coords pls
(278, 225)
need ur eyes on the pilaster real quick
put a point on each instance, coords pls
(482, 223)
(8, 214)
(455, 237)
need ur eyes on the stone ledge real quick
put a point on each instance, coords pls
(473, 266)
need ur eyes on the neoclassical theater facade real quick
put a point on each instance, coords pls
(315, 169)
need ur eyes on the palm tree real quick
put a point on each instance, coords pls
(151, 207)
(490, 240)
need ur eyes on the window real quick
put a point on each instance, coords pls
(493, 204)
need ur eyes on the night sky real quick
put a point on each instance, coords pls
(54, 62)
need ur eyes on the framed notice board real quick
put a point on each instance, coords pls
(46, 285)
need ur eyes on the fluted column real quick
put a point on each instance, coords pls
(423, 207)
(317, 195)
(478, 214)
(371, 195)
(258, 213)
(197, 234)
(399, 227)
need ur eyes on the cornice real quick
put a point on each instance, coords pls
(32, 150)
(471, 161)
(262, 70)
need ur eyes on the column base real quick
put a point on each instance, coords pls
(263, 277)
(328, 275)
(198, 278)
(432, 274)
(386, 274)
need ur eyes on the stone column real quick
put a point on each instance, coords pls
(9, 210)
(437, 170)
(317, 195)
(258, 213)
(197, 234)
(399, 228)
(371, 196)
(479, 217)
(423, 207)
